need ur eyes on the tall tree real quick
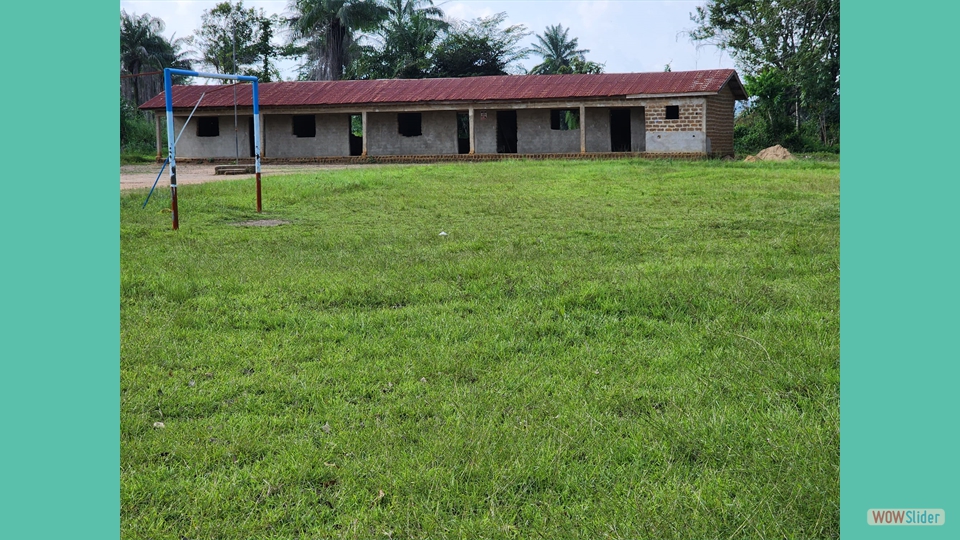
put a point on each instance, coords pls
(266, 52)
(327, 30)
(143, 48)
(407, 38)
(234, 39)
(789, 53)
(400, 12)
(558, 51)
(480, 47)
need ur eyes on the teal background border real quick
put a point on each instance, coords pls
(60, 331)
(899, 291)
(899, 275)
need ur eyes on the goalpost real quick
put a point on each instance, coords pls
(172, 142)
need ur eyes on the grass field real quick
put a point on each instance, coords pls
(136, 157)
(622, 349)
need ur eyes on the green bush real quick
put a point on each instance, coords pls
(752, 133)
(750, 138)
(137, 134)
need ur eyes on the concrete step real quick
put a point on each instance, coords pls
(235, 169)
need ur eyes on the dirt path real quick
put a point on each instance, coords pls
(143, 176)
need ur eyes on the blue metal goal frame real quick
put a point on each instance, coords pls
(172, 143)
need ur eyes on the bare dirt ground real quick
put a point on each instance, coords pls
(143, 175)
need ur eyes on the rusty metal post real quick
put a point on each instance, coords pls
(259, 198)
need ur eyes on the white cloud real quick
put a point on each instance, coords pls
(595, 14)
(466, 11)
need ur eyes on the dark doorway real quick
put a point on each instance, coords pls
(251, 132)
(620, 130)
(506, 132)
(355, 125)
(463, 133)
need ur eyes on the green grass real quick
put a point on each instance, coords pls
(622, 349)
(133, 157)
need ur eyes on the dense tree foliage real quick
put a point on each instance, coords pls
(480, 47)
(137, 133)
(326, 31)
(416, 41)
(404, 41)
(789, 54)
(560, 54)
(358, 39)
(232, 39)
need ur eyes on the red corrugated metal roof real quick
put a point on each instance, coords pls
(471, 89)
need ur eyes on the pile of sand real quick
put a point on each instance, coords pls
(774, 153)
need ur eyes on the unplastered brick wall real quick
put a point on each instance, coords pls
(691, 114)
(720, 122)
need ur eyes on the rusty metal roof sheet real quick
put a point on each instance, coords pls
(470, 89)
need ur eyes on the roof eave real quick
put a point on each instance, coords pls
(670, 95)
(739, 92)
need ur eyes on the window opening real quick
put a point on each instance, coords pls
(305, 125)
(208, 126)
(565, 119)
(409, 124)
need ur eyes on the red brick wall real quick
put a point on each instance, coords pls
(720, 122)
(691, 115)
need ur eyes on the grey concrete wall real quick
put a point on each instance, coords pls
(534, 135)
(485, 131)
(598, 129)
(222, 146)
(638, 129)
(439, 136)
(332, 138)
(677, 141)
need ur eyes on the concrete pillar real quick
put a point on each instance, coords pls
(473, 138)
(363, 121)
(583, 129)
(156, 120)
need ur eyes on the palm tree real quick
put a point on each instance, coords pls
(328, 28)
(143, 48)
(558, 51)
(405, 10)
(409, 33)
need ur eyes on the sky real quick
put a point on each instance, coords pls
(628, 36)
